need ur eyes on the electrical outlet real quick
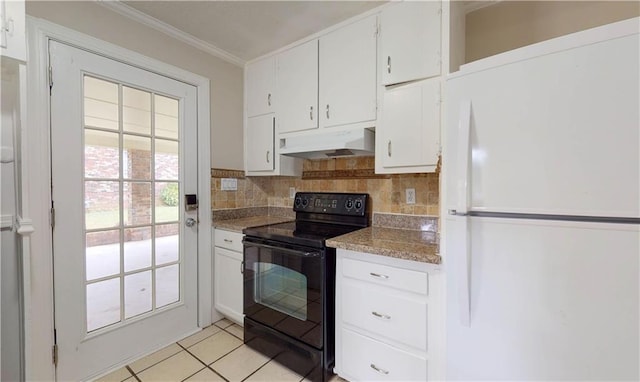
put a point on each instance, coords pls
(411, 195)
(229, 184)
(292, 192)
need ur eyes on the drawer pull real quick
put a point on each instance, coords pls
(379, 370)
(378, 275)
(228, 241)
(380, 315)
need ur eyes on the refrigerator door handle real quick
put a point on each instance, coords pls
(462, 244)
(464, 131)
(463, 273)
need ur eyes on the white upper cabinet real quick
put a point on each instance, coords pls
(260, 145)
(297, 88)
(408, 140)
(348, 74)
(410, 41)
(13, 42)
(261, 86)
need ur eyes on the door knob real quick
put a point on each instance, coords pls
(190, 222)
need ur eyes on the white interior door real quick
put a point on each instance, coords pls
(124, 153)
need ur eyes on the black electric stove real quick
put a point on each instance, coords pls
(289, 281)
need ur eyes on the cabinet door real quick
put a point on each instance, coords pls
(297, 87)
(410, 41)
(260, 156)
(348, 74)
(228, 283)
(13, 41)
(261, 83)
(410, 128)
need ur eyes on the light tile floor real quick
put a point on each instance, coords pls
(216, 353)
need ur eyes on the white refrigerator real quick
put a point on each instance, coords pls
(541, 237)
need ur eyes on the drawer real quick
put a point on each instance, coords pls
(387, 314)
(228, 239)
(398, 278)
(364, 359)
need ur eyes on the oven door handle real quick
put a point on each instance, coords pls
(290, 251)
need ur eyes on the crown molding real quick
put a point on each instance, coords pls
(143, 18)
(471, 6)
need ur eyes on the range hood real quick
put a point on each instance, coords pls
(329, 144)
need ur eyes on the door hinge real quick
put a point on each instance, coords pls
(53, 217)
(50, 79)
(54, 354)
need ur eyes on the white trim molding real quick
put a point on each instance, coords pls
(6, 221)
(474, 5)
(143, 18)
(39, 322)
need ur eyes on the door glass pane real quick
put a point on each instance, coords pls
(137, 248)
(137, 294)
(167, 285)
(167, 243)
(101, 154)
(166, 117)
(136, 157)
(167, 202)
(100, 103)
(102, 254)
(166, 160)
(102, 204)
(103, 303)
(136, 111)
(281, 288)
(137, 203)
(124, 200)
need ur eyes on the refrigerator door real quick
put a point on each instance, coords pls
(555, 134)
(549, 301)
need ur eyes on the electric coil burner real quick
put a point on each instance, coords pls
(289, 281)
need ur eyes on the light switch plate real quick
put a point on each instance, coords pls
(229, 184)
(292, 192)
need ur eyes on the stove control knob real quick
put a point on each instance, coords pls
(298, 201)
(305, 202)
(358, 204)
(349, 204)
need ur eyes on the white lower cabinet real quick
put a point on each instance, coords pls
(388, 324)
(366, 359)
(228, 282)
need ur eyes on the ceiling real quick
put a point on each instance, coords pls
(245, 30)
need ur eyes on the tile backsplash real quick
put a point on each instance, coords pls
(353, 174)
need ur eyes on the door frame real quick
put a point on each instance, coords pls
(38, 256)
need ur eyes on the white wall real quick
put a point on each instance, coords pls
(226, 79)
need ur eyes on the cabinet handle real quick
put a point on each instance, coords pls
(228, 241)
(380, 315)
(327, 111)
(311, 112)
(378, 275)
(242, 267)
(389, 148)
(269, 99)
(389, 64)
(381, 371)
(268, 156)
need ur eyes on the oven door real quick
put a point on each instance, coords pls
(284, 288)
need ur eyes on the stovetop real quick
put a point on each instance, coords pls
(310, 234)
(319, 216)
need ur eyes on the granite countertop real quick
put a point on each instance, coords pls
(237, 225)
(399, 243)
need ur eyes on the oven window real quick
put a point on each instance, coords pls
(281, 288)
